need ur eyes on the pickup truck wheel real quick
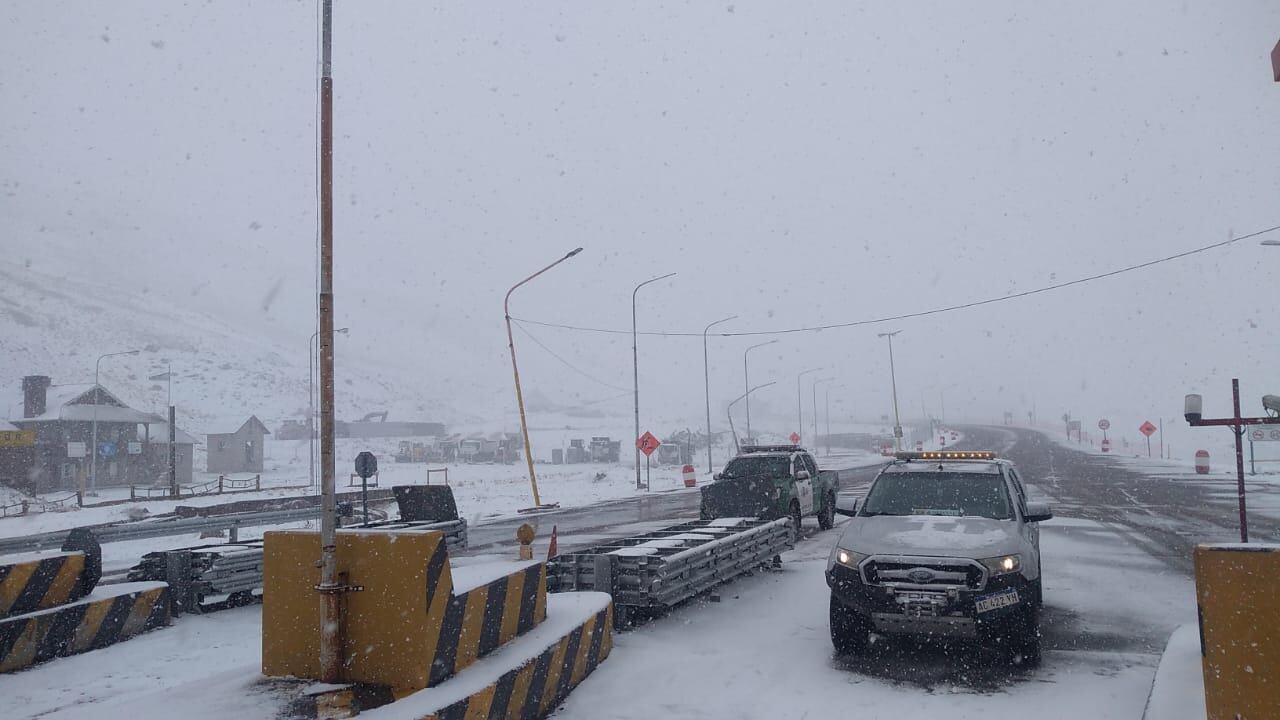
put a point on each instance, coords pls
(850, 634)
(827, 515)
(796, 518)
(1026, 645)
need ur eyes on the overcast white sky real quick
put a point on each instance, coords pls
(795, 163)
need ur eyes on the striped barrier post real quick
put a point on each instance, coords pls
(83, 625)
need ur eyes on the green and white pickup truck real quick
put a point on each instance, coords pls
(772, 481)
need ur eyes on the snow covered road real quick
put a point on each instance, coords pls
(764, 650)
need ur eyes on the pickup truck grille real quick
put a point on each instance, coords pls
(924, 572)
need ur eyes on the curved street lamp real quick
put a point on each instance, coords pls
(511, 344)
(799, 408)
(729, 412)
(893, 378)
(635, 366)
(746, 381)
(816, 383)
(706, 381)
(97, 397)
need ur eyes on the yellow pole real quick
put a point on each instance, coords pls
(515, 370)
(524, 425)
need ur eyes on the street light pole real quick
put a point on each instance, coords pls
(799, 408)
(826, 394)
(816, 383)
(893, 379)
(729, 412)
(706, 379)
(97, 397)
(746, 381)
(635, 367)
(311, 403)
(515, 370)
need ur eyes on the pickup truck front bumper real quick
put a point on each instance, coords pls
(953, 611)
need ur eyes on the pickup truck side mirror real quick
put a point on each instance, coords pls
(848, 508)
(1038, 512)
(802, 474)
(717, 476)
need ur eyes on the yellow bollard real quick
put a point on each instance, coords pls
(525, 535)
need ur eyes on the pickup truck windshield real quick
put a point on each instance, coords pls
(749, 466)
(953, 494)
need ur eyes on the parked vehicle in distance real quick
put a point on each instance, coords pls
(772, 481)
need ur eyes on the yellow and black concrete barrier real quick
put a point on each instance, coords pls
(110, 615)
(411, 623)
(1239, 608)
(49, 606)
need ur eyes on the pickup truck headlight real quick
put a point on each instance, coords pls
(848, 558)
(1003, 565)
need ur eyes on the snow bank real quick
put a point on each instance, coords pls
(1178, 690)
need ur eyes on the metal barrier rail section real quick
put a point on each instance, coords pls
(210, 577)
(160, 527)
(665, 567)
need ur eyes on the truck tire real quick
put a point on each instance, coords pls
(796, 519)
(850, 633)
(827, 515)
(1026, 645)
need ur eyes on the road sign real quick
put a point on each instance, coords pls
(76, 450)
(1147, 428)
(106, 449)
(366, 465)
(135, 448)
(1265, 434)
(647, 443)
(17, 438)
(795, 438)
(1104, 424)
(1275, 62)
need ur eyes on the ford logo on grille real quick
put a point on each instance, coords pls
(921, 575)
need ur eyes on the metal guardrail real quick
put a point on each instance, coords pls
(665, 567)
(161, 527)
(211, 577)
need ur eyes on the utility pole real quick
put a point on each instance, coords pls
(746, 382)
(635, 367)
(706, 383)
(893, 378)
(329, 588)
(311, 403)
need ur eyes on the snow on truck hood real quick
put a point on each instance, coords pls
(930, 535)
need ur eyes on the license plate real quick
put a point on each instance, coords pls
(995, 601)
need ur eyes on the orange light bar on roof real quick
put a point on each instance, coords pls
(947, 455)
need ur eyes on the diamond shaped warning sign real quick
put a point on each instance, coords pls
(1147, 428)
(647, 443)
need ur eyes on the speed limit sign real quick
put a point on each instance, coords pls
(1104, 424)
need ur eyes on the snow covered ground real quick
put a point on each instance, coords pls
(764, 650)
(761, 652)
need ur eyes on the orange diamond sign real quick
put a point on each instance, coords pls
(647, 443)
(1147, 428)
